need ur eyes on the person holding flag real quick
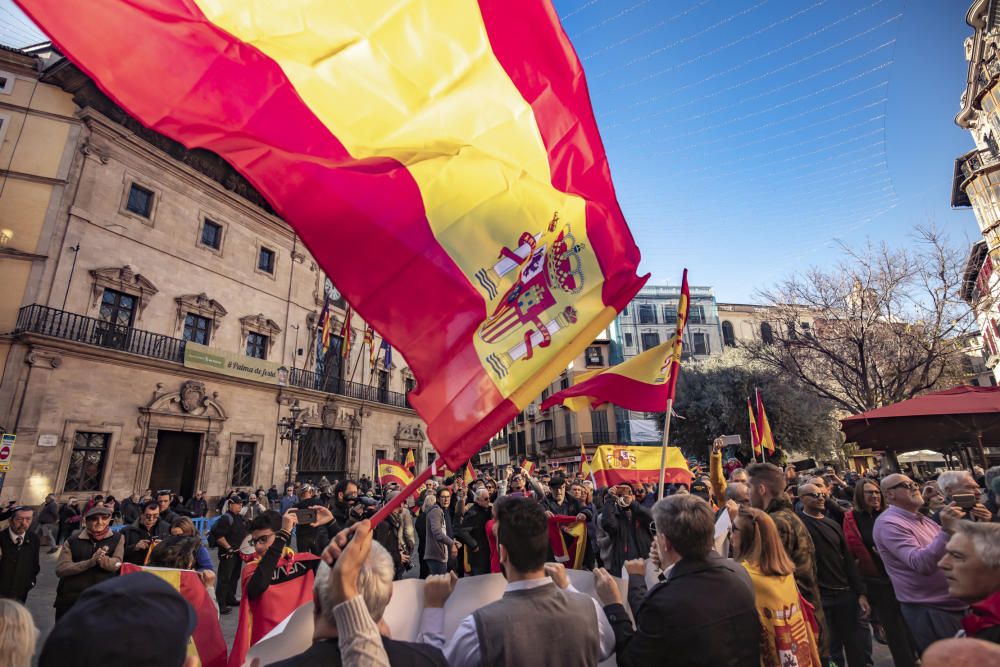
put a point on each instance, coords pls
(410, 463)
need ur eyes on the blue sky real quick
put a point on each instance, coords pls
(747, 136)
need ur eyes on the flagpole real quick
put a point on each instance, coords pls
(753, 436)
(763, 454)
(583, 454)
(663, 454)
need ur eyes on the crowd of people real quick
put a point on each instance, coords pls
(749, 565)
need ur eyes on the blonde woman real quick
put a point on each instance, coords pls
(18, 634)
(787, 636)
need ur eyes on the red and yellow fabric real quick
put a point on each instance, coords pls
(372, 350)
(617, 464)
(392, 471)
(442, 165)
(568, 539)
(754, 431)
(325, 326)
(346, 334)
(584, 463)
(528, 467)
(643, 383)
(410, 463)
(291, 587)
(469, 475)
(207, 641)
(766, 437)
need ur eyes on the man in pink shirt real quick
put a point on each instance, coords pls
(911, 545)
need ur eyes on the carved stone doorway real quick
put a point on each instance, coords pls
(175, 463)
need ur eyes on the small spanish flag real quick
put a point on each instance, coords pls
(616, 464)
(346, 335)
(410, 463)
(766, 437)
(470, 474)
(528, 467)
(643, 383)
(392, 471)
(754, 431)
(207, 642)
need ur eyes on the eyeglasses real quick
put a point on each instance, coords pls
(903, 485)
(652, 528)
(873, 493)
(811, 495)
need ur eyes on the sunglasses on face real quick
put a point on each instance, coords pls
(904, 485)
(811, 495)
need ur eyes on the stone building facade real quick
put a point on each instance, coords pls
(146, 252)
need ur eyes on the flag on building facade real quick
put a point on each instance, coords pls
(643, 383)
(392, 471)
(754, 431)
(370, 342)
(387, 355)
(207, 641)
(346, 334)
(410, 463)
(616, 464)
(466, 170)
(766, 437)
(325, 327)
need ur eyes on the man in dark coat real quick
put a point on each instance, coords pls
(474, 527)
(703, 614)
(627, 524)
(227, 534)
(197, 505)
(147, 530)
(69, 519)
(18, 556)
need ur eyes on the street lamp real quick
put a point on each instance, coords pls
(291, 428)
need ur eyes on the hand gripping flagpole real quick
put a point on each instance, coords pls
(408, 491)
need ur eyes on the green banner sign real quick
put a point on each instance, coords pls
(234, 365)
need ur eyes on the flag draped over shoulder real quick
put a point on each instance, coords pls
(642, 383)
(616, 464)
(207, 642)
(392, 471)
(443, 167)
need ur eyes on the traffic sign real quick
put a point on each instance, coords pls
(6, 451)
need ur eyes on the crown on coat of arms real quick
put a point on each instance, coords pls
(564, 264)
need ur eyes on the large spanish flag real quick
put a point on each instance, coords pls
(616, 464)
(393, 471)
(207, 642)
(439, 159)
(642, 383)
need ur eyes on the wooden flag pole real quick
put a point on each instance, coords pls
(663, 454)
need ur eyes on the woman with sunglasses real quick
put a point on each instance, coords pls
(786, 619)
(859, 526)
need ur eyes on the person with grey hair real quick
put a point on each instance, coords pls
(961, 483)
(703, 613)
(375, 587)
(474, 526)
(971, 566)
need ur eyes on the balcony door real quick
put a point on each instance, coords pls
(116, 315)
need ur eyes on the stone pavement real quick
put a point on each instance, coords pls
(41, 597)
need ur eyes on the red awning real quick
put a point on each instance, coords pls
(940, 421)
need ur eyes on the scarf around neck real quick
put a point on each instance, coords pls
(982, 615)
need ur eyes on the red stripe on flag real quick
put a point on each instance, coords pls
(405, 283)
(606, 478)
(549, 76)
(623, 391)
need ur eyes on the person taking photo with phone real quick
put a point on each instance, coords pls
(961, 490)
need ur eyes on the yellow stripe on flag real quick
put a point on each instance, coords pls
(451, 115)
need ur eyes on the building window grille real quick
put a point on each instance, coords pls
(197, 328)
(728, 334)
(265, 260)
(243, 463)
(211, 234)
(86, 463)
(140, 200)
(647, 314)
(595, 356)
(257, 345)
(650, 340)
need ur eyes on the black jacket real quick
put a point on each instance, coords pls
(474, 527)
(18, 565)
(198, 507)
(628, 530)
(136, 533)
(704, 614)
(326, 653)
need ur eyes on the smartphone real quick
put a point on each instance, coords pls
(731, 440)
(305, 515)
(964, 501)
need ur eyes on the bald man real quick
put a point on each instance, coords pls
(911, 545)
(841, 589)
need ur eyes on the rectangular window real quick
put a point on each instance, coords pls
(564, 383)
(117, 308)
(86, 464)
(543, 430)
(650, 340)
(568, 426)
(265, 260)
(599, 426)
(701, 344)
(197, 328)
(595, 356)
(628, 340)
(256, 345)
(140, 200)
(647, 314)
(625, 311)
(697, 315)
(243, 460)
(211, 234)
(670, 314)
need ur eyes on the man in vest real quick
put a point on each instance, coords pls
(540, 620)
(18, 556)
(89, 557)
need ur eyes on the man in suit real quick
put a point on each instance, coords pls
(18, 556)
(702, 614)
(375, 587)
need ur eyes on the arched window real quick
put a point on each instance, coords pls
(728, 335)
(766, 334)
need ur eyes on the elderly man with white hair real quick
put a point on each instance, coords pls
(375, 587)
(957, 486)
(971, 566)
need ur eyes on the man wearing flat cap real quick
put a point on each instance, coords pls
(89, 557)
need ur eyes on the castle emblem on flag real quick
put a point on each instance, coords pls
(620, 458)
(528, 314)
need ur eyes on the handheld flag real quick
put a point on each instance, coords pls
(528, 467)
(754, 431)
(766, 437)
(346, 334)
(568, 540)
(410, 463)
(207, 641)
(469, 475)
(615, 464)
(391, 471)
(462, 201)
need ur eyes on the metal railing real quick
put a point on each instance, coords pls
(46, 321)
(977, 160)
